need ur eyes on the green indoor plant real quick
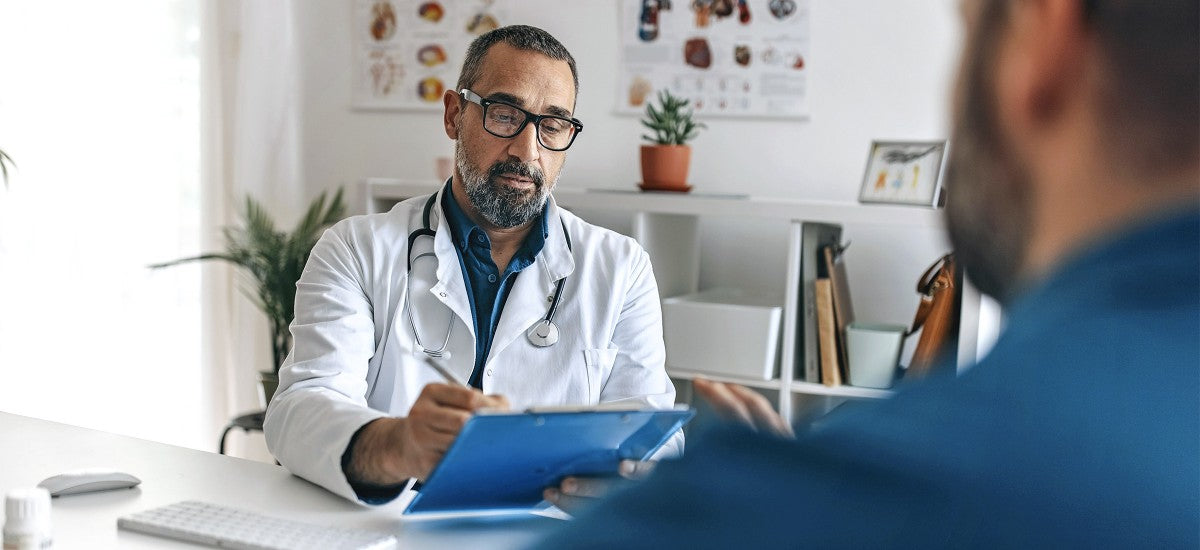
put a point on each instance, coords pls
(5, 162)
(274, 260)
(665, 161)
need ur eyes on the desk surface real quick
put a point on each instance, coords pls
(33, 449)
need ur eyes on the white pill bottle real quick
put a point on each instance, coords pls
(27, 519)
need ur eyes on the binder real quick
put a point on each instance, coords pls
(501, 461)
(813, 236)
(826, 329)
(843, 310)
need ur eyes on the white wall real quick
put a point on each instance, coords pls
(880, 69)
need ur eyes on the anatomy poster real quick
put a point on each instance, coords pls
(408, 52)
(741, 58)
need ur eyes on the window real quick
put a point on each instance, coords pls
(99, 108)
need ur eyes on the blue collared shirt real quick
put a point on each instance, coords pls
(487, 288)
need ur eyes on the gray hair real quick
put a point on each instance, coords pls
(521, 37)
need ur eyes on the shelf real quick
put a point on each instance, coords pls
(807, 388)
(751, 382)
(700, 204)
(666, 225)
(840, 391)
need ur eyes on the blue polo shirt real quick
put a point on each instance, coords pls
(1078, 430)
(487, 287)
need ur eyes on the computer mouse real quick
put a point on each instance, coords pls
(87, 481)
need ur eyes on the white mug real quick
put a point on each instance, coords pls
(873, 351)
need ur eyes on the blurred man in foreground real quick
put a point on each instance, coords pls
(1074, 184)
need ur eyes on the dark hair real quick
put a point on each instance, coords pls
(1152, 78)
(521, 37)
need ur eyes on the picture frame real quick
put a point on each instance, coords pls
(904, 172)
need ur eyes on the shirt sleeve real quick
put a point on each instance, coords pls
(321, 402)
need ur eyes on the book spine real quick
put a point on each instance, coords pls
(827, 334)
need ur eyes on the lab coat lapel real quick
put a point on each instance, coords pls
(451, 289)
(531, 293)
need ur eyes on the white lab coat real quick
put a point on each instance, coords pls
(355, 359)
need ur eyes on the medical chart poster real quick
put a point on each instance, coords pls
(731, 58)
(407, 53)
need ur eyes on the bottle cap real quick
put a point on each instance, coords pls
(27, 514)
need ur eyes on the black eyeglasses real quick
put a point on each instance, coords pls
(503, 120)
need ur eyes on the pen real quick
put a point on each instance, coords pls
(442, 370)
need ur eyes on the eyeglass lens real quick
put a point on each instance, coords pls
(506, 121)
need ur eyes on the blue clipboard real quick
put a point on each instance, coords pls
(503, 461)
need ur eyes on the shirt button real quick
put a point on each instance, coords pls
(491, 278)
(489, 372)
(442, 294)
(481, 239)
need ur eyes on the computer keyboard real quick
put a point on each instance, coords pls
(226, 527)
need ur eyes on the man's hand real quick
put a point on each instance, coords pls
(575, 493)
(735, 403)
(391, 450)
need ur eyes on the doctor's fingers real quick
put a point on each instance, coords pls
(726, 403)
(591, 487)
(497, 402)
(458, 397)
(764, 415)
(424, 439)
(438, 419)
(636, 469)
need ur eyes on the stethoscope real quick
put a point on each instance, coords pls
(542, 334)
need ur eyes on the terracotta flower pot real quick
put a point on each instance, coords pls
(665, 167)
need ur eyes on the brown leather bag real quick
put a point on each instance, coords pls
(937, 314)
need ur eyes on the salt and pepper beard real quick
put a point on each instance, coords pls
(499, 204)
(988, 204)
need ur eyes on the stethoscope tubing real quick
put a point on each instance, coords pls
(535, 337)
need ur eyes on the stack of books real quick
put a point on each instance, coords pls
(825, 308)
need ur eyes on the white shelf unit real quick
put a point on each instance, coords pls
(666, 225)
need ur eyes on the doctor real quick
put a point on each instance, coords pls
(519, 302)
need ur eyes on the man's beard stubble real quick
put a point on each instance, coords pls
(988, 202)
(499, 204)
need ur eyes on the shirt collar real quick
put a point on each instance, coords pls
(462, 228)
(460, 224)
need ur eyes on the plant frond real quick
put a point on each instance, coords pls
(5, 161)
(272, 261)
(671, 120)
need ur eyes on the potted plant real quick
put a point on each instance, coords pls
(5, 162)
(665, 162)
(274, 260)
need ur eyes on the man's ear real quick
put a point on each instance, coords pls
(453, 106)
(1048, 56)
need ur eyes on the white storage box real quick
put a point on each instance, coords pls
(723, 331)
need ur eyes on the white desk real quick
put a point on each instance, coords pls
(32, 449)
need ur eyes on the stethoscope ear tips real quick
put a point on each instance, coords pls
(543, 334)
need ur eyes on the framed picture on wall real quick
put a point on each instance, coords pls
(904, 172)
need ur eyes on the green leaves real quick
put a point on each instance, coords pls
(671, 122)
(274, 259)
(5, 162)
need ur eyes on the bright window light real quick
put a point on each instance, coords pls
(99, 108)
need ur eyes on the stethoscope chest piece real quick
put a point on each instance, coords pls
(543, 334)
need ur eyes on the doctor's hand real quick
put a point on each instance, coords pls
(391, 450)
(575, 493)
(737, 404)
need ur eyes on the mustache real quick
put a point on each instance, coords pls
(532, 173)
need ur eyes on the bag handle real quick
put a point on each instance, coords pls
(933, 281)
